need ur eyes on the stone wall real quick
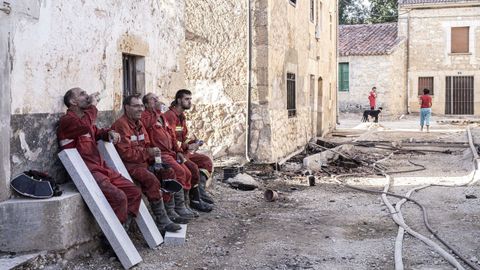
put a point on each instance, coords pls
(56, 45)
(216, 72)
(386, 72)
(430, 53)
(293, 48)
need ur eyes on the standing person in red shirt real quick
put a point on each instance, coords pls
(425, 109)
(77, 129)
(200, 166)
(372, 98)
(137, 154)
(162, 136)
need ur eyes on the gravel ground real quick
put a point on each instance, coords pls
(326, 226)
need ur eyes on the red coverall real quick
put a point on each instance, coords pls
(132, 148)
(81, 133)
(372, 100)
(162, 136)
(177, 119)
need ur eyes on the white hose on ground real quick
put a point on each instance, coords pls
(401, 230)
(400, 222)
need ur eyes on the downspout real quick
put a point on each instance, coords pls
(407, 64)
(249, 84)
(336, 64)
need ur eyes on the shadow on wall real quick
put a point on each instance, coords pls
(34, 143)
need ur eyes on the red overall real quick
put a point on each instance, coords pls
(177, 119)
(132, 148)
(160, 135)
(81, 133)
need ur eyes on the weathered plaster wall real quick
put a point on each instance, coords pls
(386, 72)
(56, 45)
(429, 50)
(216, 72)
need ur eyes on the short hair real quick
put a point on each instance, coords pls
(145, 98)
(180, 94)
(69, 95)
(374, 87)
(128, 99)
(426, 91)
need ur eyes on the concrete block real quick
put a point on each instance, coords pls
(145, 222)
(100, 208)
(313, 162)
(178, 237)
(56, 223)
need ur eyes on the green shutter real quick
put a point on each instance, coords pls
(343, 76)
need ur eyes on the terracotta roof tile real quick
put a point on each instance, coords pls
(367, 39)
(415, 2)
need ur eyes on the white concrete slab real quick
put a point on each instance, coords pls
(178, 237)
(100, 208)
(16, 261)
(145, 222)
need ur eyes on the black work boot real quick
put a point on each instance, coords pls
(197, 203)
(180, 208)
(128, 222)
(172, 215)
(187, 203)
(202, 187)
(161, 218)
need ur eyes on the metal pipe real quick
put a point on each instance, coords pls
(249, 84)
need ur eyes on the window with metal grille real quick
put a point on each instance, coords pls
(425, 82)
(343, 77)
(291, 95)
(460, 40)
(133, 74)
(312, 10)
(293, 2)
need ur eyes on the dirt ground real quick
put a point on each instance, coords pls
(329, 226)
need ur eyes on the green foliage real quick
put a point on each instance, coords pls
(352, 12)
(383, 11)
(357, 12)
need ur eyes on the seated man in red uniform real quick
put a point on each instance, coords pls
(77, 129)
(137, 153)
(201, 166)
(160, 136)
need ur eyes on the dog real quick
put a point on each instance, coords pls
(372, 113)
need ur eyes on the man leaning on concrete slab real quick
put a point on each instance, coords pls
(137, 154)
(77, 129)
(201, 166)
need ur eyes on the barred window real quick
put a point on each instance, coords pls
(425, 82)
(291, 95)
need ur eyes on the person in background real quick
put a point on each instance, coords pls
(372, 98)
(425, 109)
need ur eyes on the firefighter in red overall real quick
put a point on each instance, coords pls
(200, 166)
(77, 129)
(162, 136)
(137, 154)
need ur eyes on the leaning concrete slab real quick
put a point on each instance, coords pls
(178, 237)
(16, 261)
(56, 223)
(100, 208)
(145, 222)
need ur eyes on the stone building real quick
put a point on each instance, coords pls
(47, 47)
(289, 46)
(438, 48)
(443, 53)
(371, 55)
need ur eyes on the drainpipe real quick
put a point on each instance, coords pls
(249, 84)
(407, 44)
(337, 110)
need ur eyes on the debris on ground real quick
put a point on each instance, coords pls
(243, 181)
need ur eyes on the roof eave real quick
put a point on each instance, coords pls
(439, 5)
